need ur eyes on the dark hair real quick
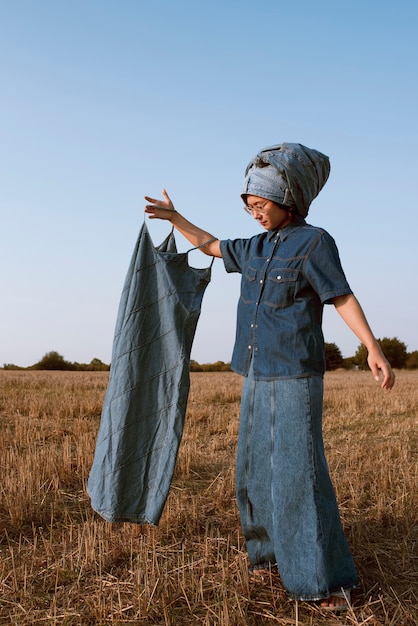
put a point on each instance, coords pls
(291, 209)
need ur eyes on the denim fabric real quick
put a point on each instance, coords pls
(145, 404)
(287, 505)
(289, 174)
(287, 276)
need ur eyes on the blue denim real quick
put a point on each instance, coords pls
(145, 404)
(288, 173)
(289, 514)
(287, 277)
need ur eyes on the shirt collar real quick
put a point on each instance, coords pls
(286, 231)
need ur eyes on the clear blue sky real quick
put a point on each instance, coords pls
(105, 101)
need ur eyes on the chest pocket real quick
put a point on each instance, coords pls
(248, 285)
(280, 287)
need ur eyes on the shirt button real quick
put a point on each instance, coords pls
(249, 347)
(261, 281)
(279, 277)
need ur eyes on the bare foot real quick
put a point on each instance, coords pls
(263, 574)
(336, 602)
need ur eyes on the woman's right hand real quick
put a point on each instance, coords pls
(160, 209)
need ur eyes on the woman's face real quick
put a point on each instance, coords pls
(270, 215)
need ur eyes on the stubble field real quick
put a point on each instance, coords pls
(62, 564)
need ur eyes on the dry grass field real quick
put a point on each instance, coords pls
(62, 564)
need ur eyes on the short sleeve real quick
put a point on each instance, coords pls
(234, 253)
(324, 271)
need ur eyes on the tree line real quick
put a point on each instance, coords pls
(55, 361)
(394, 349)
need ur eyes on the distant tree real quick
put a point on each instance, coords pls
(11, 366)
(333, 357)
(360, 357)
(394, 350)
(96, 365)
(348, 363)
(53, 361)
(218, 366)
(412, 360)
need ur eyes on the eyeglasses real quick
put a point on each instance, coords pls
(257, 208)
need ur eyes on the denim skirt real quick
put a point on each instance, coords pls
(288, 509)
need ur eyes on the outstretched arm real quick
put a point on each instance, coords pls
(164, 210)
(350, 310)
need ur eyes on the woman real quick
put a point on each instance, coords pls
(288, 510)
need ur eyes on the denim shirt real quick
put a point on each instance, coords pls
(287, 277)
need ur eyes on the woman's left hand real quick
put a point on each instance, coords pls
(379, 363)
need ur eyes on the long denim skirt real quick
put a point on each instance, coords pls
(288, 509)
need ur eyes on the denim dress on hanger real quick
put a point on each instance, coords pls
(145, 404)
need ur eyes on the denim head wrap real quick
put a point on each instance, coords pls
(289, 174)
